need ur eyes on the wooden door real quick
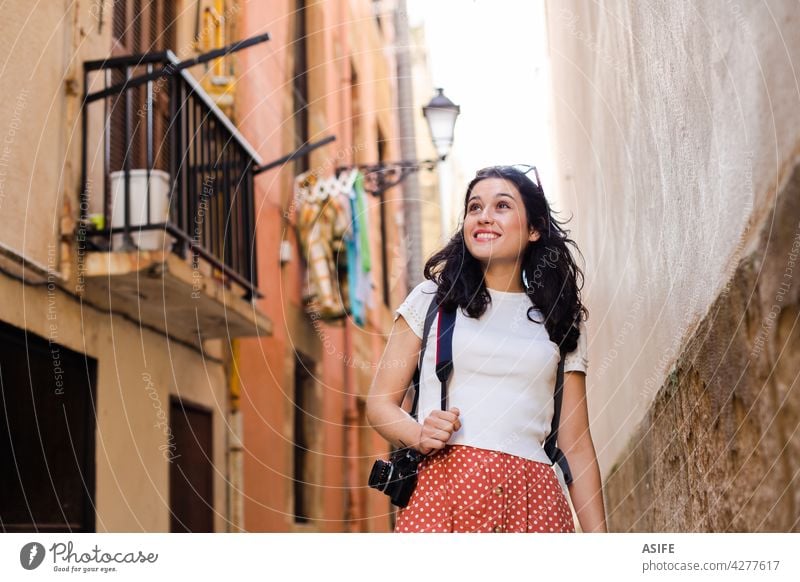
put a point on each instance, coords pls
(191, 473)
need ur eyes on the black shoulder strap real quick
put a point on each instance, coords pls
(432, 309)
(555, 454)
(444, 350)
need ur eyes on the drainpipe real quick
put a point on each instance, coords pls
(412, 216)
(235, 447)
(351, 477)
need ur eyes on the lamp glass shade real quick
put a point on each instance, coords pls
(441, 115)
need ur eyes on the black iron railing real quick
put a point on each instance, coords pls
(162, 135)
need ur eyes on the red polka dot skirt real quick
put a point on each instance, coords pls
(467, 489)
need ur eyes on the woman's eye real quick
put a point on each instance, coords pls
(506, 204)
(473, 207)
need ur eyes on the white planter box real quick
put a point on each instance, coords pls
(148, 240)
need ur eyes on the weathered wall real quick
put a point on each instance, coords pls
(44, 46)
(718, 450)
(676, 132)
(32, 145)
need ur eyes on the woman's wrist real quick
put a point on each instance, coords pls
(395, 425)
(411, 436)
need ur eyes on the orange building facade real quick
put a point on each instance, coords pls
(306, 447)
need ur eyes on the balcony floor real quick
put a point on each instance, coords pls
(163, 291)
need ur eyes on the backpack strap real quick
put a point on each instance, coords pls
(432, 309)
(444, 350)
(555, 454)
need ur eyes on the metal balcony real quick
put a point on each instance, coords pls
(167, 199)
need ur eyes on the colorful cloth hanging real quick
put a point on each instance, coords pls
(361, 283)
(353, 242)
(333, 231)
(322, 222)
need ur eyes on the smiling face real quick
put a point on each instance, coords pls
(495, 222)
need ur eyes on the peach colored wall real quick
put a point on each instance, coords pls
(341, 35)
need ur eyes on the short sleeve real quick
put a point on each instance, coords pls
(578, 359)
(415, 306)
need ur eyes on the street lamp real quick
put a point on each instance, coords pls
(441, 115)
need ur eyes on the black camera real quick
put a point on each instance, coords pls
(398, 477)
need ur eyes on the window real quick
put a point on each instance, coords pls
(305, 433)
(300, 85)
(140, 26)
(47, 464)
(377, 6)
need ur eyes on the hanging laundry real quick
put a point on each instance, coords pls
(358, 253)
(343, 237)
(353, 242)
(340, 209)
(363, 290)
(304, 219)
(322, 223)
(362, 209)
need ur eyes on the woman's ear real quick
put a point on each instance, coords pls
(534, 236)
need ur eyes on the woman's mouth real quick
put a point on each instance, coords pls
(486, 236)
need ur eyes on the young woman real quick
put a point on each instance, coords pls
(515, 286)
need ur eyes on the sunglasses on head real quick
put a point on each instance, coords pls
(525, 169)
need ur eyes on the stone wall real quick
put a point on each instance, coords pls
(719, 449)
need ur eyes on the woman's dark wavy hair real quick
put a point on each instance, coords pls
(554, 280)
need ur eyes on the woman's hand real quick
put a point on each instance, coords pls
(437, 429)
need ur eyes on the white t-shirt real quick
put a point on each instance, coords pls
(504, 372)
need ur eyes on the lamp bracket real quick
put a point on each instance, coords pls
(378, 178)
